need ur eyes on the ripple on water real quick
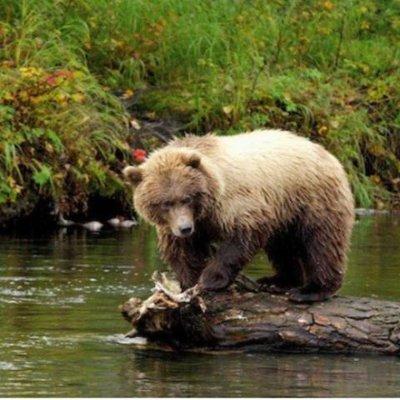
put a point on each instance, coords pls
(22, 278)
(7, 366)
(48, 341)
(46, 300)
(16, 292)
(122, 339)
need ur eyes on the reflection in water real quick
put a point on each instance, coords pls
(59, 323)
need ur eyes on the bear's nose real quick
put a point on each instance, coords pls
(185, 230)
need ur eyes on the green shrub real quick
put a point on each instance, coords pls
(60, 130)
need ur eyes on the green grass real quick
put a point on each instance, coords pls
(327, 69)
(61, 132)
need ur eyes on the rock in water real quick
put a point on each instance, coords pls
(121, 223)
(115, 222)
(93, 226)
(128, 223)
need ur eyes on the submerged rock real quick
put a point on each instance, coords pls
(114, 222)
(93, 226)
(128, 223)
(119, 222)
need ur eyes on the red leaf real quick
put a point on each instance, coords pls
(139, 155)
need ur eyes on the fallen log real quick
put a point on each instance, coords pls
(243, 317)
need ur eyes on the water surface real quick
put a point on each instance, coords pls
(59, 323)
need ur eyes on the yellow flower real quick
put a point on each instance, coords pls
(23, 95)
(127, 94)
(227, 109)
(78, 97)
(322, 130)
(8, 96)
(29, 72)
(61, 99)
(376, 179)
(377, 150)
(328, 5)
(365, 25)
(49, 148)
(37, 99)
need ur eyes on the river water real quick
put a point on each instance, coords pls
(60, 329)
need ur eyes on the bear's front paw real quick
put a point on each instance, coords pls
(213, 280)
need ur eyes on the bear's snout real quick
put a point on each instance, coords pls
(182, 224)
(186, 229)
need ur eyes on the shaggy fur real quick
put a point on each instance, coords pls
(268, 190)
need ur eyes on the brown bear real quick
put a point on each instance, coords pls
(217, 200)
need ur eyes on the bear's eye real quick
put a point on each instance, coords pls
(186, 200)
(165, 205)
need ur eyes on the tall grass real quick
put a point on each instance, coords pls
(60, 129)
(327, 69)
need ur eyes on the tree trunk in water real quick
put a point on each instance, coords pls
(244, 317)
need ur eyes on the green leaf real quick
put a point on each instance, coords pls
(54, 138)
(5, 192)
(6, 113)
(42, 176)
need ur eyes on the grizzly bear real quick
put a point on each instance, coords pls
(217, 200)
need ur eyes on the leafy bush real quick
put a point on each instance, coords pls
(60, 130)
(58, 136)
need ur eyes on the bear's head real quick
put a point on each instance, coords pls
(175, 188)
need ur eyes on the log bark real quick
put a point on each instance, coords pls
(242, 317)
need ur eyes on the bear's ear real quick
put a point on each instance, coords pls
(133, 175)
(193, 160)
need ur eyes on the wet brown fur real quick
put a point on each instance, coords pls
(268, 190)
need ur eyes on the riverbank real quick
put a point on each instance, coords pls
(84, 84)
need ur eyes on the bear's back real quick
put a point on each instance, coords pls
(248, 146)
(261, 154)
(265, 143)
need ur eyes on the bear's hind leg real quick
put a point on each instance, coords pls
(324, 262)
(284, 252)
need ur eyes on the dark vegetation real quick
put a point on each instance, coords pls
(79, 79)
